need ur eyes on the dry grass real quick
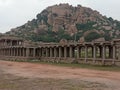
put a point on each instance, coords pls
(10, 82)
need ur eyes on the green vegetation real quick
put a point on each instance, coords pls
(86, 26)
(107, 36)
(90, 20)
(92, 36)
(43, 17)
(50, 36)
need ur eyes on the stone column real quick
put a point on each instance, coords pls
(27, 52)
(55, 52)
(16, 51)
(5, 51)
(71, 52)
(86, 53)
(78, 52)
(0, 51)
(103, 54)
(10, 52)
(13, 51)
(20, 51)
(51, 52)
(40, 52)
(10, 42)
(94, 54)
(34, 52)
(110, 52)
(119, 53)
(114, 54)
(60, 52)
(46, 52)
(65, 52)
(81, 54)
(100, 50)
(23, 52)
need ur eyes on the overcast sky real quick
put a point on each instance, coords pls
(14, 13)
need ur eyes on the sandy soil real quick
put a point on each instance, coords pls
(89, 79)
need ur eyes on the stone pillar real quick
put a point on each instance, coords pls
(40, 52)
(16, 51)
(20, 51)
(10, 52)
(5, 51)
(110, 52)
(5, 43)
(65, 52)
(10, 42)
(119, 53)
(34, 52)
(0, 51)
(46, 52)
(114, 54)
(86, 53)
(78, 52)
(81, 55)
(51, 54)
(60, 52)
(103, 54)
(13, 51)
(94, 54)
(24, 52)
(55, 52)
(100, 51)
(71, 52)
(27, 52)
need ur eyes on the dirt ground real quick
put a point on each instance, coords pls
(31, 76)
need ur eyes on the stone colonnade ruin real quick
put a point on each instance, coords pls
(103, 53)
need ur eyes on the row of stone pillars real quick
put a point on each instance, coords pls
(14, 51)
(11, 42)
(93, 52)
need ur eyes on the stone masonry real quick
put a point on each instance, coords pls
(96, 52)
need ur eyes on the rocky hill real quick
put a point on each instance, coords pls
(64, 21)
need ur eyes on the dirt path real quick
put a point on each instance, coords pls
(31, 70)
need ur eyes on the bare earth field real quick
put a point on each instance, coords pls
(32, 76)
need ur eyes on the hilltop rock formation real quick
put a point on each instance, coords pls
(64, 21)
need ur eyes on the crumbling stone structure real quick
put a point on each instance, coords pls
(96, 52)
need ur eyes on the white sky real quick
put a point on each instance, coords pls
(14, 13)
